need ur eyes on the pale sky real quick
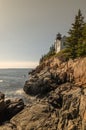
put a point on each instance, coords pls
(29, 27)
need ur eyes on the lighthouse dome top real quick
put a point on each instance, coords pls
(58, 36)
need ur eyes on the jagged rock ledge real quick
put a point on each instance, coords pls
(53, 72)
(9, 108)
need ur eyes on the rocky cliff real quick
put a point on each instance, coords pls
(57, 97)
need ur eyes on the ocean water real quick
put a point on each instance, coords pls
(12, 82)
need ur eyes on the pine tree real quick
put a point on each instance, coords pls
(52, 49)
(82, 43)
(75, 33)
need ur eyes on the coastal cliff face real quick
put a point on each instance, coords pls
(57, 97)
(57, 72)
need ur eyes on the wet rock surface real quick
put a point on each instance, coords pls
(9, 108)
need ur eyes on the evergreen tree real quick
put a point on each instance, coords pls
(82, 43)
(52, 49)
(75, 33)
(48, 55)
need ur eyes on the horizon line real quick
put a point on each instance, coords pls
(19, 68)
(18, 64)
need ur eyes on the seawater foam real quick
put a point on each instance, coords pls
(1, 81)
(20, 91)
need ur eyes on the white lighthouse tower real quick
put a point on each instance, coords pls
(59, 43)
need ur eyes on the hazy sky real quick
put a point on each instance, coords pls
(29, 27)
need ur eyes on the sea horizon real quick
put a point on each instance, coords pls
(19, 68)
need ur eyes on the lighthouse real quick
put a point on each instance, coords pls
(59, 43)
